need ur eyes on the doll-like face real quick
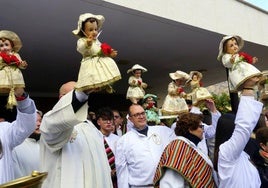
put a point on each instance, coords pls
(231, 46)
(137, 73)
(91, 29)
(150, 100)
(180, 82)
(5, 46)
(195, 77)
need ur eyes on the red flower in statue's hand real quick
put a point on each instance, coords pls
(180, 90)
(246, 57)
(10, 59)
(139, 82)
(106, 49)
(150, 105)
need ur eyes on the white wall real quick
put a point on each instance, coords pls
(220, 16)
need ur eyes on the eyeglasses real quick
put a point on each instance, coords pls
(139, 114)
(107, 120)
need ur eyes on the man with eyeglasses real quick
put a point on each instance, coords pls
(105, 121)
(139, 150)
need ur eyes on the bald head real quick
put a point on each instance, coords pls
(65, 88)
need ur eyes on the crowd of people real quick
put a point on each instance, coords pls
(106, 148)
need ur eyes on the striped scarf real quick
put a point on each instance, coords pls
(110, 155)
(185, 160)
(111, 161)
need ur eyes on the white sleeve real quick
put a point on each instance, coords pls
(247, 116)
(171, 179)
(210, 130)
(57, 124)
(82, 46)
(25, 122)
(121, 164)
(226, 60)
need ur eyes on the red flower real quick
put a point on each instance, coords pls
(150, 105)
(246, 57)
(106, 49)
(180, 90)
(139, 82)
(10, 59)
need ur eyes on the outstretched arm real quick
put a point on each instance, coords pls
(25, 120)
(247, 116)
(57, 125)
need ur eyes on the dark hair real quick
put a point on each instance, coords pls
(261, 123)
(105, 113)
(207, 118)
(186, 122)
(188, 101)
(4, 39)
(91, 20)
(224, 131)
(120, 113)
(195, 74)
(136, 70)
(129, 111)
(262, 135)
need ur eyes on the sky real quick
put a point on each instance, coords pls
(259, 3)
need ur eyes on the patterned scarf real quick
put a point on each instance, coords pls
(185, 160)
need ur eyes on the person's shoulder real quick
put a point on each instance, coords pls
(226, 56)
(112, 135)
(82, 38)
(87, 125)
(123, 139)
(4, 125)
(160, 127)
(128, 134)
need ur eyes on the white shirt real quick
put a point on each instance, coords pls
(13, 134)
(72, 150)
(209, 133)
(26, 157)
(137, 155)
(234, 167)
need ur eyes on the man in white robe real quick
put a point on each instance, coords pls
(139, 150)
(13, 134)
(72, 150)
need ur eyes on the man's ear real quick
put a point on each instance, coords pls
(262, 145)
(98, 122)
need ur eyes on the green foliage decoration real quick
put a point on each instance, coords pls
(222, 102)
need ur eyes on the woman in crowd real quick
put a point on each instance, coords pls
(182, 164)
